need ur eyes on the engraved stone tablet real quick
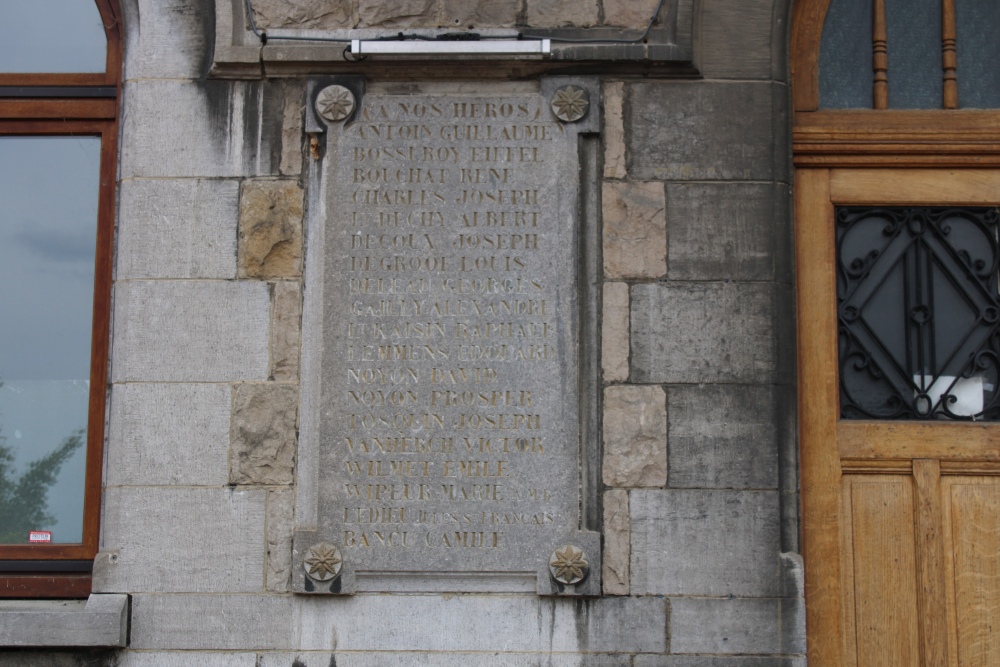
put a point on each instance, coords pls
(441, 420)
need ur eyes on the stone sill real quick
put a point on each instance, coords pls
(101, 620)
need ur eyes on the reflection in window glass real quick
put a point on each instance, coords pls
(52, 36)
(976, 23)
(845, 56)
(48, 227)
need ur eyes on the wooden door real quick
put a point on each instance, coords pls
(901, 518)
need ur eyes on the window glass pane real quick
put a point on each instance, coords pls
(913, 38)
(976, 23)
(52, 36)
(48, 226)
(845, 56)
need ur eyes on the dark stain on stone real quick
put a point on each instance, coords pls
(253, 95)
(582, 623)
(274, 94)
(298, 663)
(333, 660)
(205, 12)
(220, 106)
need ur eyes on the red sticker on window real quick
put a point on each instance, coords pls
(40, 536)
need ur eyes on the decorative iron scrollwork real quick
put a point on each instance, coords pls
(918, 312)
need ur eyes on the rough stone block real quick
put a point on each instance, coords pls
(614, 333)
(614, 130)
(617, 535)
(397, 13)
(705, 131)
(633, 14)
(270, 236)
(164, 434)
(635, 436)
(186, 540)
(518, 624)
(562, 13)
(716, 661)
(695, 542)
(761, 626)
(188, 659)
(480, 13)
(725, 436)
(737, 38)
(286, 330)
(635, 230)
(716, 332)
(183, 228)
(179, 129)
(279, 530)
(303, 14)
(172, 43)
(437, 659)
(731, 231)
(264, 426)
(190, 331)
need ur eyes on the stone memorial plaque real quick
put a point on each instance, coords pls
(441, 442)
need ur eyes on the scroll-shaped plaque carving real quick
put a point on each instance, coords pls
(441, 445)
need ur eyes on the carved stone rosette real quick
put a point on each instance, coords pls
(568, 565)
(570, 103)
(323, 562)
(335, 103)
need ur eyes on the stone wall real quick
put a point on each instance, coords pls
(457, 14)
(699, 498)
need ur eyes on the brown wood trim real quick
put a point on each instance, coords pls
(949, 59)
(66, 586)
(40, 79)
(956, 160)
(807, 29)
(100, 338)
(43, 552)
(970, 468)
(58, 108)
(818, 398)
(897, 138)
(940, 187)
(949, 441)
(876, 467)
(931, 594)
(905, 467)
(111, 15)
(880, 57)
(849, 600)
(53, 127)
(899, 126)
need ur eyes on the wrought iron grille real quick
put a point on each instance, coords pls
(918, 313)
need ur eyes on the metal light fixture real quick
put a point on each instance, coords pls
(486, 47)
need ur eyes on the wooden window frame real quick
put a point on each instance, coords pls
(73, 105)
(938, 138)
